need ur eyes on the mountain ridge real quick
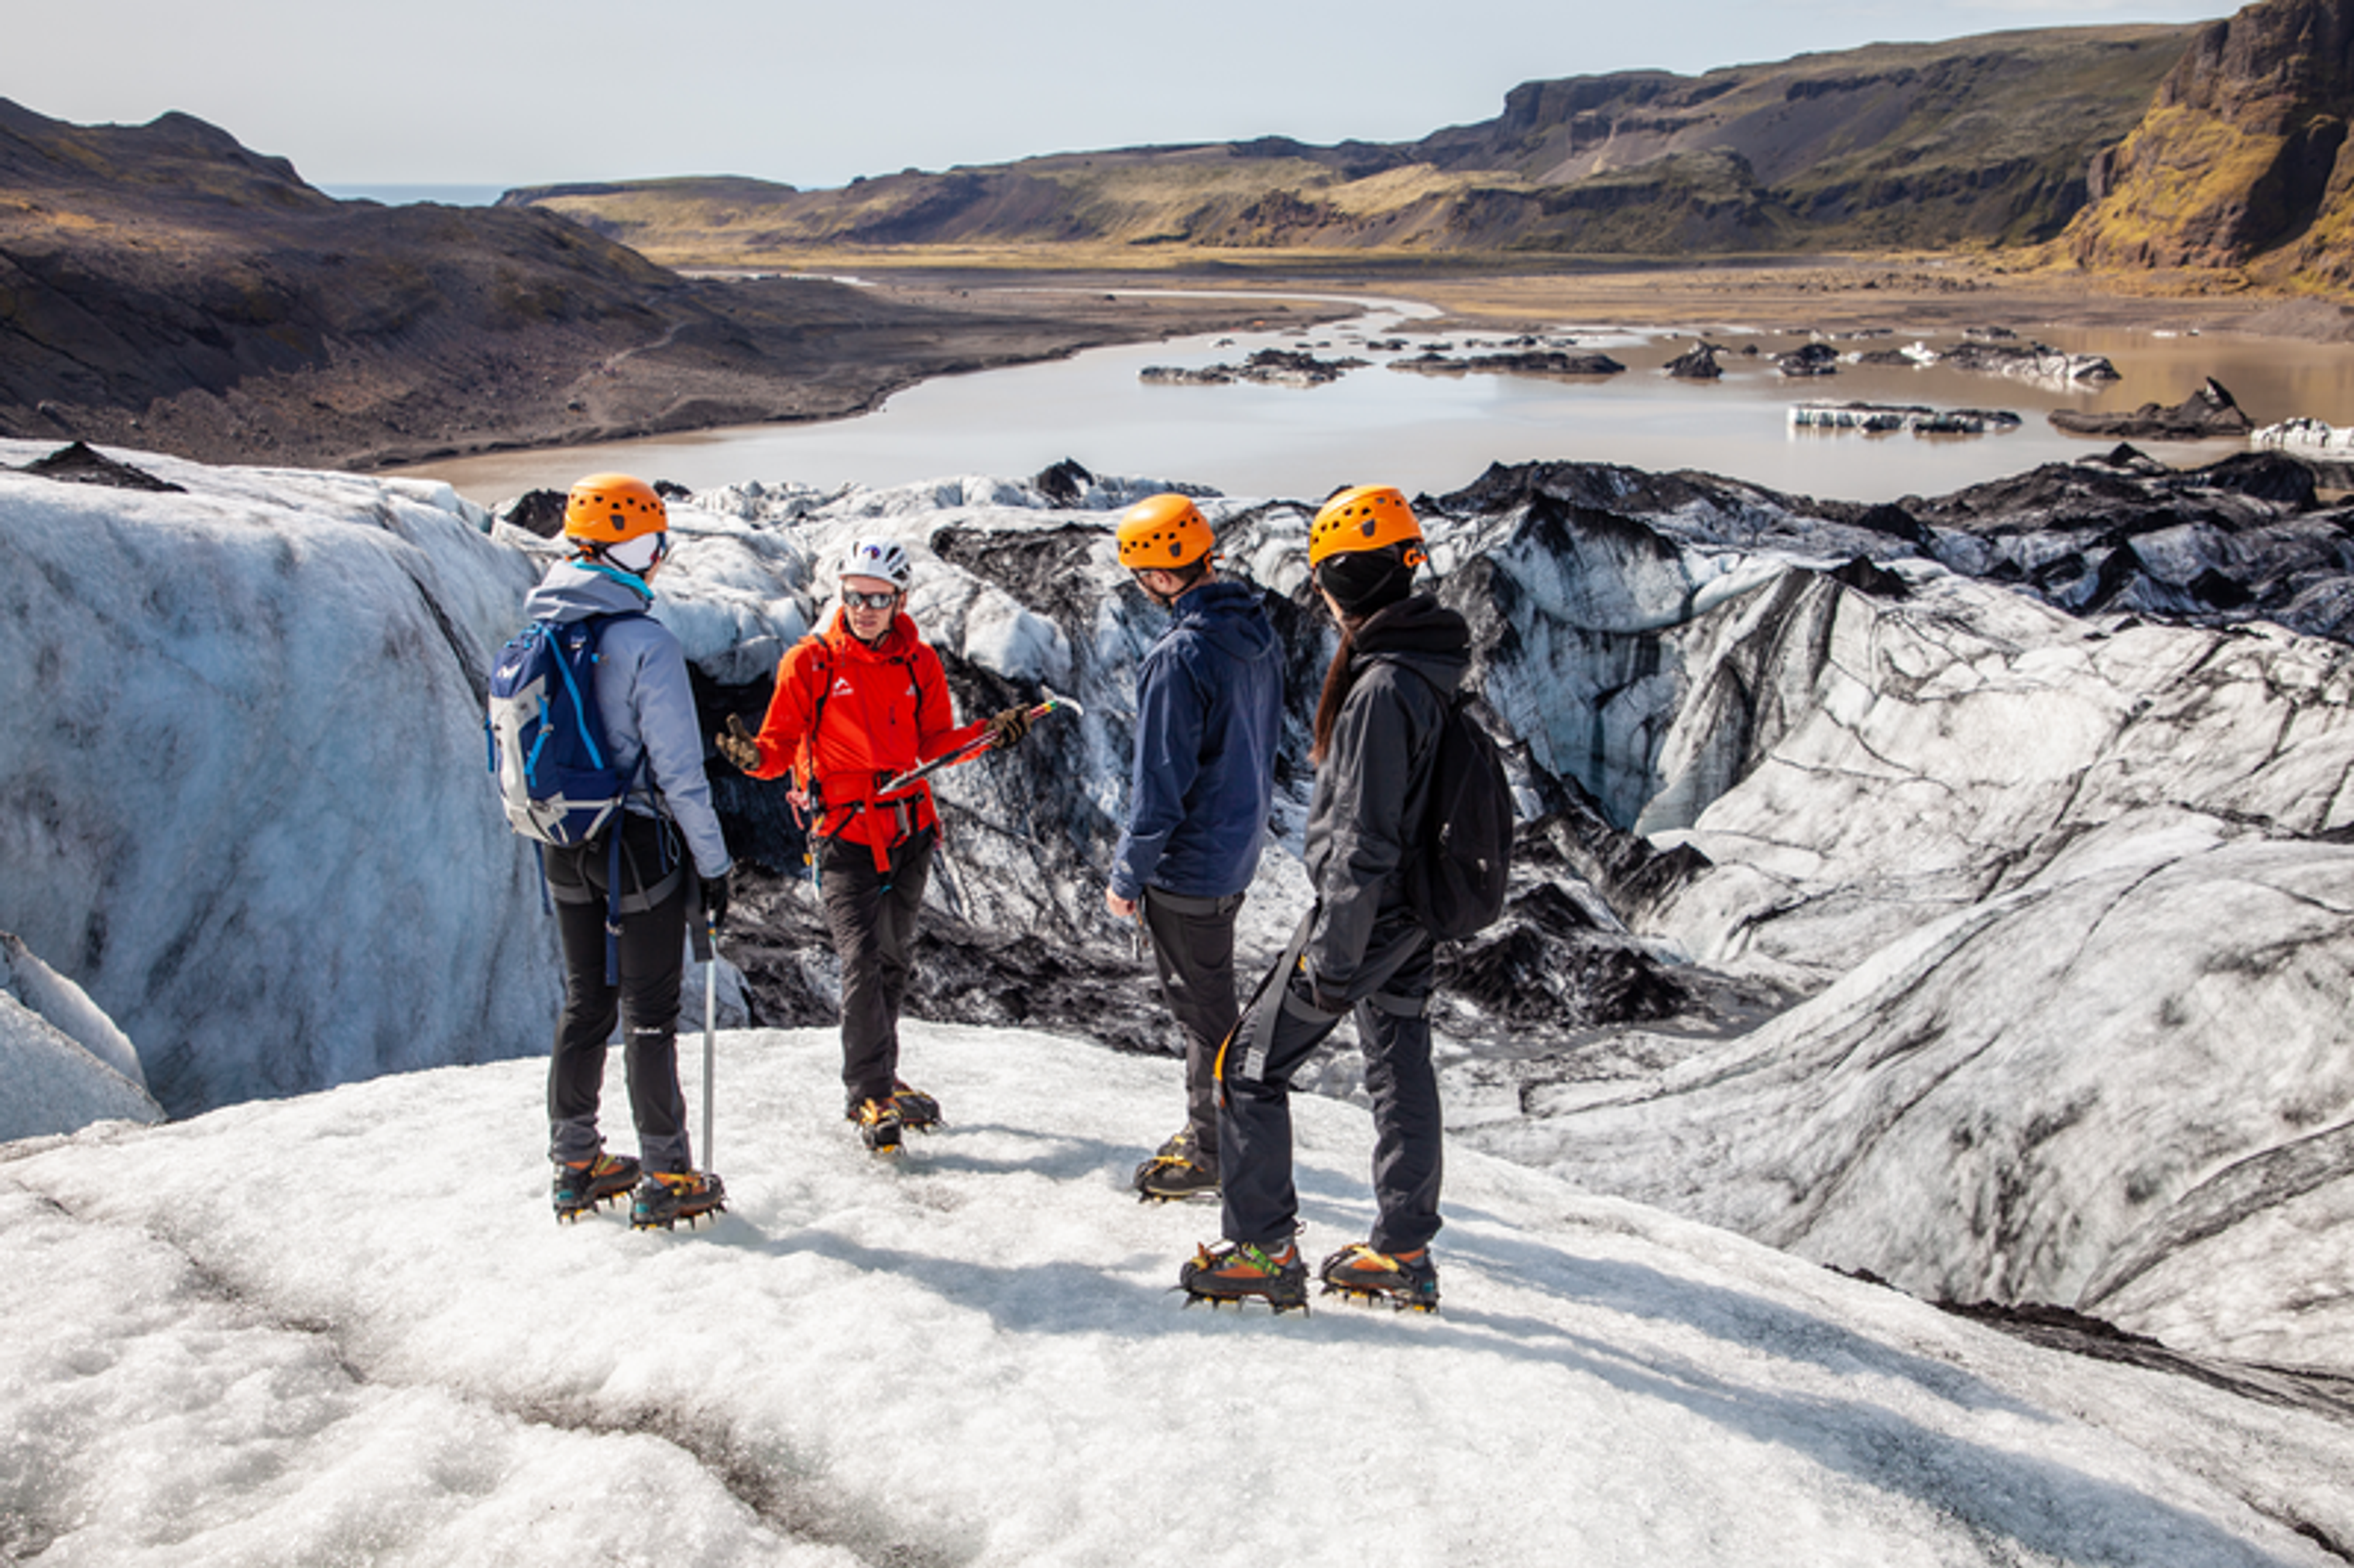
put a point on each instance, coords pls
(1980, 141)
(164, 286)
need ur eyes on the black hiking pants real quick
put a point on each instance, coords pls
(644, 1000)
(872, 916)
(1391, 997)
(1194, 954)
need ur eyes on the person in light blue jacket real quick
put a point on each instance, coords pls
(670, 853)
(1209, 715)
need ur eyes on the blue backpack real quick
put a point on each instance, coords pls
(555, 777)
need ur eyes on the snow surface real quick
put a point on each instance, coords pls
(343, 1327)
(2066, 894)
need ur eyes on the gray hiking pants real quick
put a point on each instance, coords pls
(1194, 954)
(1390, 999)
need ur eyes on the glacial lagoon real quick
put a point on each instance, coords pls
(1438, 432)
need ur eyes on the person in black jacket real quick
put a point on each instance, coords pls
(1209, 716)
(1360, 950)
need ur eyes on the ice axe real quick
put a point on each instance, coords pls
(978, 746)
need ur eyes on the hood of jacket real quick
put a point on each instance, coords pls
(1226, 615)
(575, 590)
(1420, 632)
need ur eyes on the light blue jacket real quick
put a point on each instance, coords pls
(645, 699)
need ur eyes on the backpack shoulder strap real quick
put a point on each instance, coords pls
(596, 626)
(1448, 702)
(806, 762)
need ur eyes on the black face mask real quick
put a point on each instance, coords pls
(1365, 582)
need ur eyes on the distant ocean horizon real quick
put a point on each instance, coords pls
(405, 196)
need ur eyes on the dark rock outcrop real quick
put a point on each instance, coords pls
(1814, 359)
(1266, 367)
(1697, 362)
(539, 512)
(2038, 361)
(1064, 482)
(1526, 362)
(77, 464)
(2208, 412)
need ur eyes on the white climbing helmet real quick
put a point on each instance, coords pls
(885, 558)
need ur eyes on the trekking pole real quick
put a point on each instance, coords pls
(710, 1028)
(704, 935)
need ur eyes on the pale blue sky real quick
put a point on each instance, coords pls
(814, 92)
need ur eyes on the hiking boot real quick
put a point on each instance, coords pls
(583, 1184)
(878, 1124)
(1238, 1271)
(667, 1197)
(1175, 1172)
(918, 1112)
(1183, 1145)
(1169, 1178)
(1403, 1279)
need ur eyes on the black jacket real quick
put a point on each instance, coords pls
(1373, 786)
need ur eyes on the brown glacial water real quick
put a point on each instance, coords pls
(1437, 433)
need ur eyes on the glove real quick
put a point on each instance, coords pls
(738, 744)
(1007, 727)
(715, 900)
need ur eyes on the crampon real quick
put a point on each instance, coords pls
(879, 1128)
(1406, 1281)
(1239, 1272)
(667, 1197)
(1175, 1173)
(584, 1186)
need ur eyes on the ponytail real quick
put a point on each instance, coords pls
(1339, 678)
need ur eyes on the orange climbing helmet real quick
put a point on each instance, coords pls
(607, 508)
(1164, 532)
(1367, 517)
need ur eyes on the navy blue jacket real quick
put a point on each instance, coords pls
(1209, 715)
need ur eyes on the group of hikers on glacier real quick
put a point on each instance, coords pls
(860, 703)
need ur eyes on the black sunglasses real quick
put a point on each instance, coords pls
(869, 600)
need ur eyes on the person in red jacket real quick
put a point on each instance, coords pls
(857, 704)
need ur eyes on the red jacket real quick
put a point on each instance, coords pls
(847, 717)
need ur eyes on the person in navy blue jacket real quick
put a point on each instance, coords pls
(1209, 713)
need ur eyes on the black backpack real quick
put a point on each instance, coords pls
(1455, 877)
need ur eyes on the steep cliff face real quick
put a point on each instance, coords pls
(2243, 156)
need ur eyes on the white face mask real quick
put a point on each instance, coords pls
(639, 553)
